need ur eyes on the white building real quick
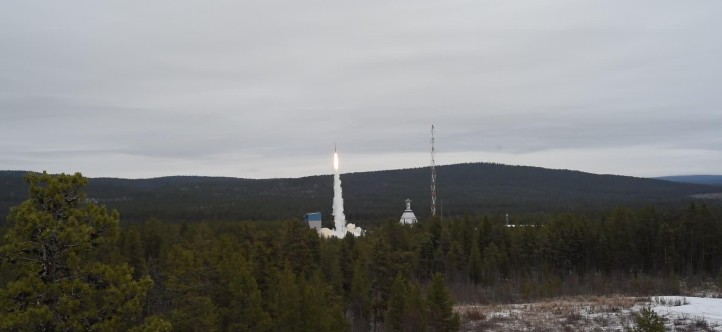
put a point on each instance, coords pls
(408, 217)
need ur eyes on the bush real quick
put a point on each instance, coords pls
(648, 321)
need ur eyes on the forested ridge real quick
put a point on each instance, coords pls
(715, 180)
(475, 189)
(278, 275)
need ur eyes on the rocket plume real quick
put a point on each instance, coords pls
(338, 217)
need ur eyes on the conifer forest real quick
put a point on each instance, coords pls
(69, 264)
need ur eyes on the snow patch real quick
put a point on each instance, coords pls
(708, 309)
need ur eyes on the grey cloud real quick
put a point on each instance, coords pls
(198, 82)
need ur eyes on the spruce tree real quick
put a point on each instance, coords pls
(442, 317)
(245, 308)
(360, 296)
(414, 318)
(380, 273)
(396, 307)
(475, 265)
(287, 302)
(186, 283)
(320, 309)
(133, 250)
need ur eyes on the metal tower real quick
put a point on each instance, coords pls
(433, 174)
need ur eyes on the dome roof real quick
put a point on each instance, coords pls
(408, 217)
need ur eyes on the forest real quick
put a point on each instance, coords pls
(371, 197)
(68, 263)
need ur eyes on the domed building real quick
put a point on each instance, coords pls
(408, 217)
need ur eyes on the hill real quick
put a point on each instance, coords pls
(715, 180)
(478, 188)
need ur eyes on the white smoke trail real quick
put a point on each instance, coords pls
(338, 216)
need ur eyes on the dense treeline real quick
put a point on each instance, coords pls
(67, 265)
(637, 251)
(280, 276)
(479, 188)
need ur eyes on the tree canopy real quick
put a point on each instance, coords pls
(55, 267)
(68, 264)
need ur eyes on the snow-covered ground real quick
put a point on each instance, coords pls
(694, 309)
(612, 313)
(593, 313)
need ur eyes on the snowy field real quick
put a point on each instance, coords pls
(592, 313)
(685, 310)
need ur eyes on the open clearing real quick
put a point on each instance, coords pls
(592, 313)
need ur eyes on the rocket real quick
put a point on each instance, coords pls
(335, 157)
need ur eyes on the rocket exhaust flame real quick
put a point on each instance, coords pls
(339, 218)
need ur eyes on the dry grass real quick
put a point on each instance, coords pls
(590, 313)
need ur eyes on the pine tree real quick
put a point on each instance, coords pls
(245, 308)
(54, 258)
(331, 253)
(194, 312)
(345, 262)
(300, 246)
(414, 318)
(320, 309)
(153, 324)
(133, 250)
(491, 263)
(380, 273)
(648, 321)
(187, 285)
(475, 265)
(425, 257)
(442, 317)
(287, 302)
(397, 303)
(360, 296)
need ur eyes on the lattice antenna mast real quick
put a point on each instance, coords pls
(433, 174)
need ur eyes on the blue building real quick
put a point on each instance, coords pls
(313, 220)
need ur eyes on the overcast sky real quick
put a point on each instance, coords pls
(262, 89)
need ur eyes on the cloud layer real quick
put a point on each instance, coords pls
(262, 89)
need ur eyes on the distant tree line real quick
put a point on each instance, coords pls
(371, 197)
(280, 276)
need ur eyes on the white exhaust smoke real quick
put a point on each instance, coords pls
(339, 218)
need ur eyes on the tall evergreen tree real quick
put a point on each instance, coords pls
(133, 250)
(380, 273)
(320, 309)
(396, 306)
(360, 297)
(442, 317)
(53, 256)
(245, 309)
(345, 262)
(475, 267)
(188, 285)
(414, 318)
(287, 302)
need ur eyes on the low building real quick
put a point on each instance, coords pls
(313, 220)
